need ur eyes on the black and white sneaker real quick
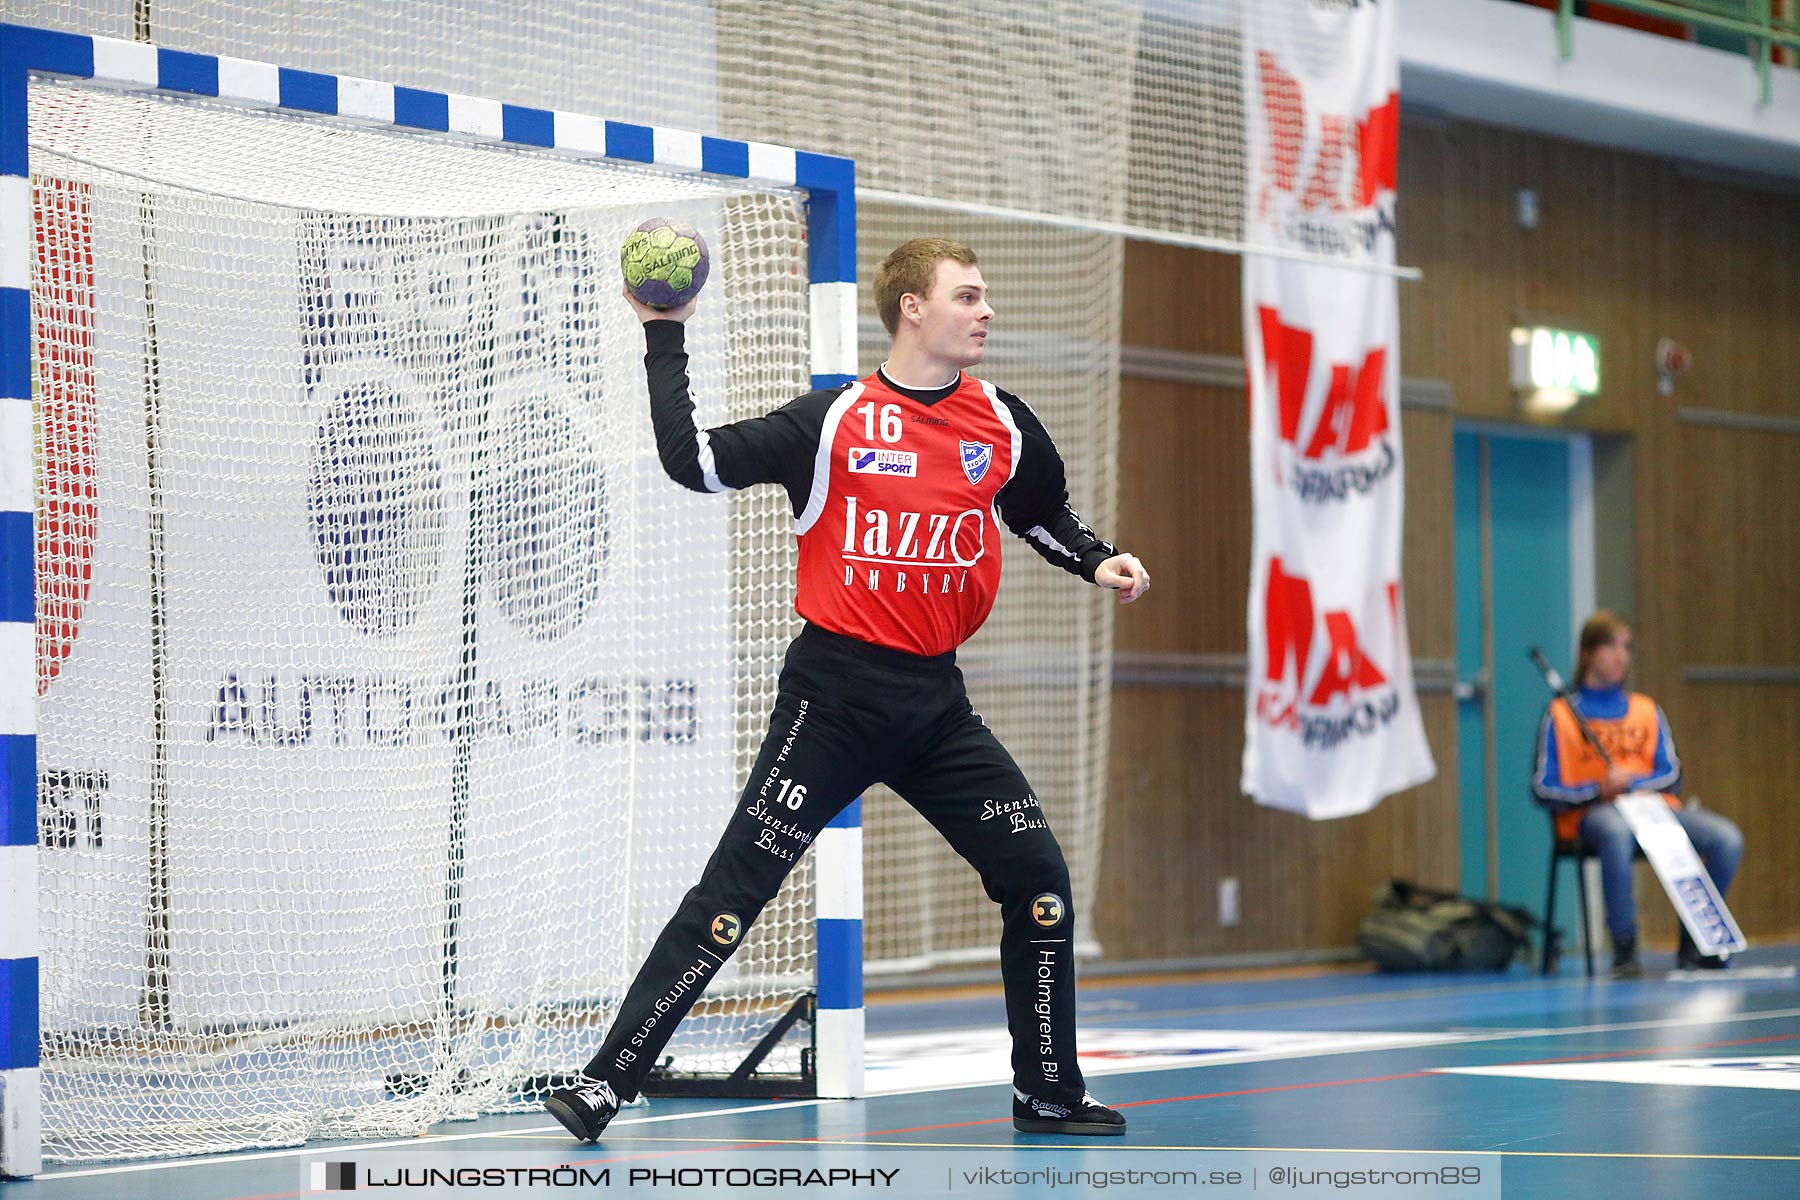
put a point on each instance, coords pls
(585, 1108)
(1088, 1116)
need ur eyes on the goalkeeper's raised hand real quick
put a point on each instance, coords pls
(646, 314)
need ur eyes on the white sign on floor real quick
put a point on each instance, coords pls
(1684, 876)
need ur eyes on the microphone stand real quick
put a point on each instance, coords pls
(1567, 692)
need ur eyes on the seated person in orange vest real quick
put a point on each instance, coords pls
(1576, 785)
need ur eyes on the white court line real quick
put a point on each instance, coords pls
(1324, 1052)
(941, 1061)
(229, 1158)
(1436, 1044)
(1350, 1000)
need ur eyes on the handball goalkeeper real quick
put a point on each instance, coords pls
(899, 483)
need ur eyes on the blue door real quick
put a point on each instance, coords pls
(1515, 582)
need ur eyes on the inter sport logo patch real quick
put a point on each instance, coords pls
(977, 457)
(901, 463)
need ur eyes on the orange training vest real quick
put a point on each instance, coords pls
(1629, 740)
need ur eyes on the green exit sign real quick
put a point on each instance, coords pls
(1555, 360)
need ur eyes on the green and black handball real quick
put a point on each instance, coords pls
(665, 262)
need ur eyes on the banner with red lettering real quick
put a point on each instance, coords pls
(1333, 721)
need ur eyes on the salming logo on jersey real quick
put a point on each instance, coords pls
(906, 557)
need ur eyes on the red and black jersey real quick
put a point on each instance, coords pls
(898, 494)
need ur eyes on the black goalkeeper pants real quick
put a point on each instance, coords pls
(850, 714)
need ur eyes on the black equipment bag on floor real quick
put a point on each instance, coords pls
(1416, 928)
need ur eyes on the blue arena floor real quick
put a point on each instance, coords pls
(1555, 1087)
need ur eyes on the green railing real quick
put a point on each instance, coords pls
(1752, 19)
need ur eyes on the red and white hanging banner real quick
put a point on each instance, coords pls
(1333, 721)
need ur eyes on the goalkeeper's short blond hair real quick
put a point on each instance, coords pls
(910, 268)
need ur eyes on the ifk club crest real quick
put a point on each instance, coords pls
(977, 457)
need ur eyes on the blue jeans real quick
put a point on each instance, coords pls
(1605, 832)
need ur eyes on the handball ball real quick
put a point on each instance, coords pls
(665, 262)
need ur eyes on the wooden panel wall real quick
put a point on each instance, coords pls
(1629, 248)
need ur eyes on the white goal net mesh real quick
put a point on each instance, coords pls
(1125, 111)
(390, 695)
